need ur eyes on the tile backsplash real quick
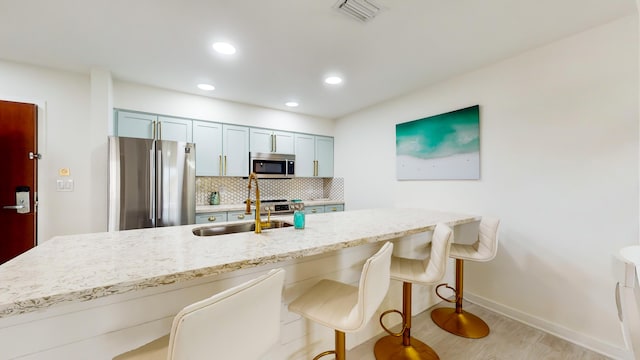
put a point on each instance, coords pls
(233, 190)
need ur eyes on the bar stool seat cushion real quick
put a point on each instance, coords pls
(345, 307)
(330, 303)
(157, 349)
(426, 271)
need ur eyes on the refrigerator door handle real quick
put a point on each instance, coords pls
(160, 189)
(151, 186)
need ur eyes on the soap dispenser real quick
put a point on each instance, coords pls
(298, 219)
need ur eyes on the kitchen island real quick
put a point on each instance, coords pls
(103, 274)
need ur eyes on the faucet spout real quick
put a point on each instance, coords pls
(253, 176)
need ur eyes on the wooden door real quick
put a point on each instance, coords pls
(18, 139)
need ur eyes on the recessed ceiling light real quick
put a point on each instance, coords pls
(333, 80)
(224, 48)
(291, 104)
(206, 87)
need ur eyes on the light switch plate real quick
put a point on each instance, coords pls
(64, 185)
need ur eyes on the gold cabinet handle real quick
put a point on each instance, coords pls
(315, 167)
(153, 130)
(334, 209)
(314, 210)
(225, 165)
(211, 218)
(241, 216)
(220, 165)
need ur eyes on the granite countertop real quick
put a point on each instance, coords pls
(77, 268)
(238, 207)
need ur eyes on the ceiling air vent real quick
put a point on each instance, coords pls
(361, 10)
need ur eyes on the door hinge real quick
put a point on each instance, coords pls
(34, 156)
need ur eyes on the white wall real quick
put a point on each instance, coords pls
(63, 101)
(559, 166)
(73, 110)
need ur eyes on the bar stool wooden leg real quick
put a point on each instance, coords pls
(392, 347)
(455, 320)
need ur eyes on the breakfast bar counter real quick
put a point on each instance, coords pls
(79, 268)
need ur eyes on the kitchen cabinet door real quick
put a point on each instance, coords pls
(324, 156)
(208, 139)
(271, 141)
(239, 216)
(333, 208)
(135, 125)
(235, 150)
(174, 129)
(314, 156)
(318, 209)
(305, 155)
(210, 218)
(149, 126)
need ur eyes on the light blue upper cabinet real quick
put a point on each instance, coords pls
(314, 155)
(149, 126)
(135, 125)
(175, 129)
(305, 155)
(235, 150)
(221, 149)
(208, 139)
(324, 156)
(271, 141)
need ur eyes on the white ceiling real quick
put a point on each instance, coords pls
(286, 47)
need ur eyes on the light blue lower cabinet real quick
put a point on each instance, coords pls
(211, 217)
(222, 216)
(239, 215)
(317, 209)
(333, 208)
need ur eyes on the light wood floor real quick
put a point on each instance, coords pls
(508, 340)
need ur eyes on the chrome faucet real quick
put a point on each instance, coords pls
(259, 224)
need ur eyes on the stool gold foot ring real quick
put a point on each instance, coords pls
(400, 346)
(455, 320)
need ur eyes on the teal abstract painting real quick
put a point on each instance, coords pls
(440, 147)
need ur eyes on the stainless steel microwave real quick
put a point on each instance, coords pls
(275, 166)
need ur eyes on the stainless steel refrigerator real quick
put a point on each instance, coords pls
(151, 183)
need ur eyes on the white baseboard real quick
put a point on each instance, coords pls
(587, 342)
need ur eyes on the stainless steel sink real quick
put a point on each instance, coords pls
(233, 228)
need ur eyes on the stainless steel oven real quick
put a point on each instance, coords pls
(274, 166)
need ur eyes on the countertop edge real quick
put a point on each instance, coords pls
(337, 241)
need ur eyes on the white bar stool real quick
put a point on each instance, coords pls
(427, 271)
(458, 321)
(628, 299)
(219, 326)
(347, 308)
